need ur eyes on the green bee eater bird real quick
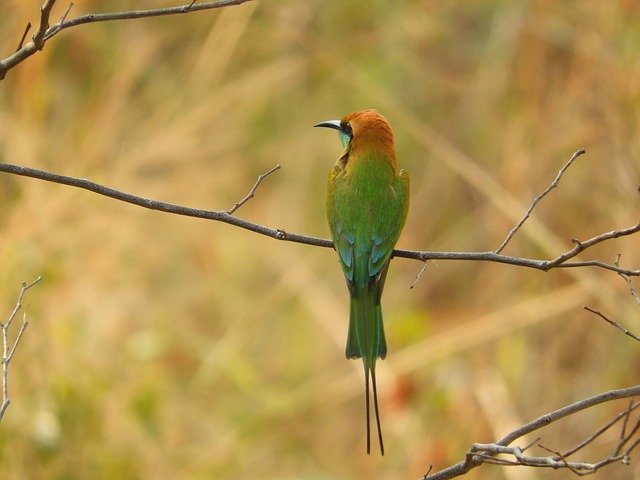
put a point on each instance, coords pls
(367, 205)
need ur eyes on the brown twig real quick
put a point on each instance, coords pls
(252, 192)
(632, 288)
(24, 35)
(222, 216)
(537, 199)
(9, 349)
(611, 322)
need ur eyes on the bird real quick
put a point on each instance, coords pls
(367, 206)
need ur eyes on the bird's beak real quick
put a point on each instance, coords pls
(335, 124)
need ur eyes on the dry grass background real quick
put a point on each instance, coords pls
(167, 347)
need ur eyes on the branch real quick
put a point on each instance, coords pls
(553, 185)
(545, 265)
(223, 216)
(45, 33)
(7, 349)
(485, 453)
(220, 216)
(613, 323)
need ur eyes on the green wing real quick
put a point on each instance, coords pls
(388, 224)
(366, 216)
(342, 230)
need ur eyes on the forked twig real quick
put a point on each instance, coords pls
(9, 349)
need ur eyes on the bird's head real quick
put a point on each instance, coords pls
(364, 132)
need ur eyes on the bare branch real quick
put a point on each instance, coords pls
(9, 349)
(223, 216)
(135, 14)
(252, 192)
(580, 246)
(220, 216)
(45, 33)
(561, 261)
(478, 452)
(553, 185)
(611, 322)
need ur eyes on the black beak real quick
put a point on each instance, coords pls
(335, 124)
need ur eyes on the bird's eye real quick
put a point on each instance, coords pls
(346, 134)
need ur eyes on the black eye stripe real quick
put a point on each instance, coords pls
(346, 128)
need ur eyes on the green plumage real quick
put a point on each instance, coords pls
(367, 204)
(366, 209)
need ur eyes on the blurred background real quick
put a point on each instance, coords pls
(166, 347)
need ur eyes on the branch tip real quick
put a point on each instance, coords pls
(537, 199)
(24, 35)
(252, 192)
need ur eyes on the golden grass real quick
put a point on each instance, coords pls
(167, 347)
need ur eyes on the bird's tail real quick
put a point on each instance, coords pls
(372, 373)
(366, 340)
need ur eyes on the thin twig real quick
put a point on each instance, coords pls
(8, 349)
(424, 267)
(576, 467)
(537, 199)
(531, 444)
(222, 216)
(599, 432)
(252, 192)
(611, 322)
(623, 430)
(632, 288)
(633, 431)
(630, 449)
(58, 25)
(24, 35)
